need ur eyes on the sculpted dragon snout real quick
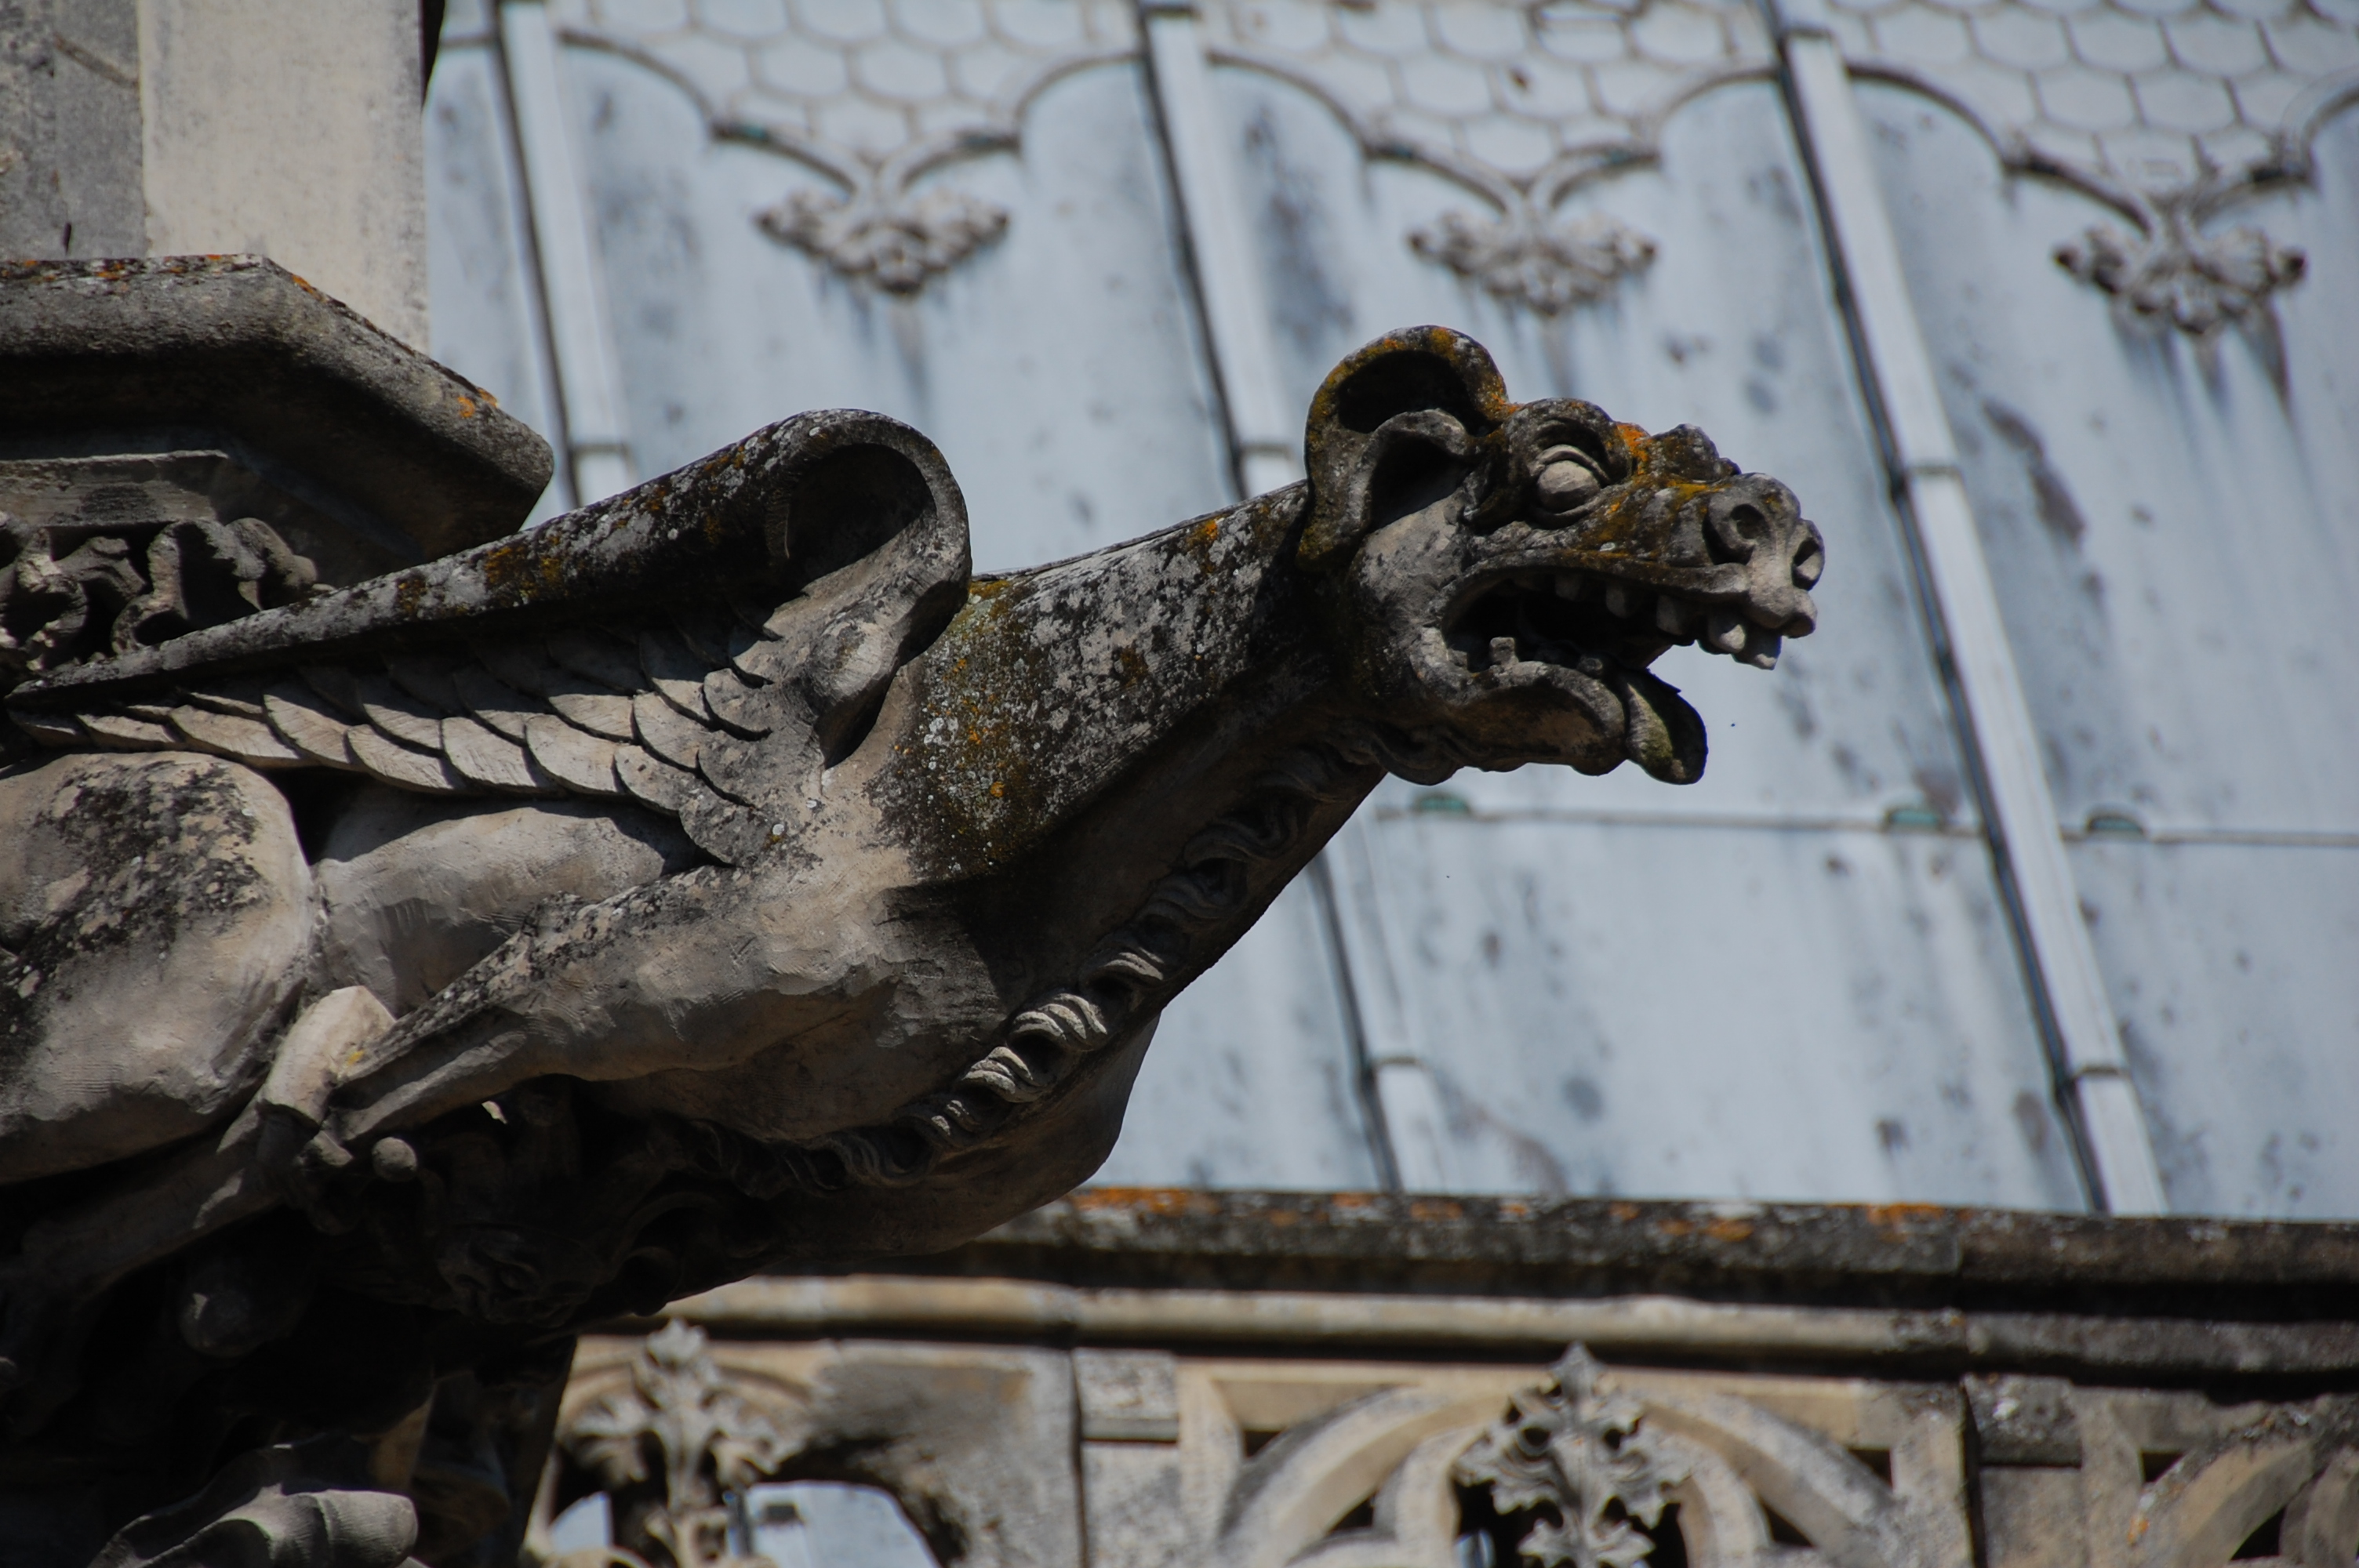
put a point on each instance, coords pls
(1507, 574)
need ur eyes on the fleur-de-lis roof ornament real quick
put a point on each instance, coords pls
(709, 1436)
(1577, 1447)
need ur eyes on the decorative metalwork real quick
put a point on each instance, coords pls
(1577, 1448)
(872, 98)
(1523, 259)
(1518, 104)
(2200, 283)
(709, 1437)
(897, 242)
(2164, 110)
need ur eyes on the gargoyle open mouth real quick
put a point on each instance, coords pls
(1590, 634)
(1587, 621)
(1513, 569)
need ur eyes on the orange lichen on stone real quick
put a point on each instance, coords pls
(1147, 1200)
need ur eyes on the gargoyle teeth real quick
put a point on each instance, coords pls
(1593, 623)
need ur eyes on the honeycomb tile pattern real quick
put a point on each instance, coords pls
(2162, 105)
(859, 83)
(872, 94)
(1517, 102)
(2146, 98)
(1500, 94)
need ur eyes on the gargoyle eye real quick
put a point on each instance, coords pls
(1563, 481)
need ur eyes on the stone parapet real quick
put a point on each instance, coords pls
(1176, 1377)
(1796, 1251)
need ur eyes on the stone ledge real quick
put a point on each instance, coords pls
(1297, 1323)
(1917, 1256)
(239, 346)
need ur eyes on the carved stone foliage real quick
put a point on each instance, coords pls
(704, 1435)
(1582, 1452)
(68, 592)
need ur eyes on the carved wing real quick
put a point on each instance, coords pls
(618, 712)
(700, 646)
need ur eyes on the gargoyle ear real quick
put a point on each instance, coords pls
(868, 533)
(1392, 421)
(860, 487)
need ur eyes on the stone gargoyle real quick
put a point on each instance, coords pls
(717, 877)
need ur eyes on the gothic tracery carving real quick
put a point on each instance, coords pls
(708, 1435)
(1582, 1450)
(1517, 106)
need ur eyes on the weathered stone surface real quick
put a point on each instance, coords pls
(289, 1503)
(2024, 1420)
(182, 353)
(1295, 1450)
(273, 127)
(819, 902)
(961, 1434)
(1896, 1252)
(122, 883)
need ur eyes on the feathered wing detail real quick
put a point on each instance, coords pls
(609, 713)
(704, 645)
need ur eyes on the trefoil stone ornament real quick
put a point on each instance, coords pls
(1580, 1447)
(899, 242)
(2173, 271)
(1525, 258)
(712, 1439)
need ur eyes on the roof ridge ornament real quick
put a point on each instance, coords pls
(2171, 270)
(1529, 257)
(712, 1432)
(1579, 1446)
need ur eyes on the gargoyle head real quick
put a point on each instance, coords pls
(1504, 573)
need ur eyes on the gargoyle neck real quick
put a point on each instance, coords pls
(1192, 652)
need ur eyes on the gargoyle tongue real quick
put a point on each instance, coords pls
(1662, 734)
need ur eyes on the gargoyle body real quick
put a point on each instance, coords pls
(717, 876)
